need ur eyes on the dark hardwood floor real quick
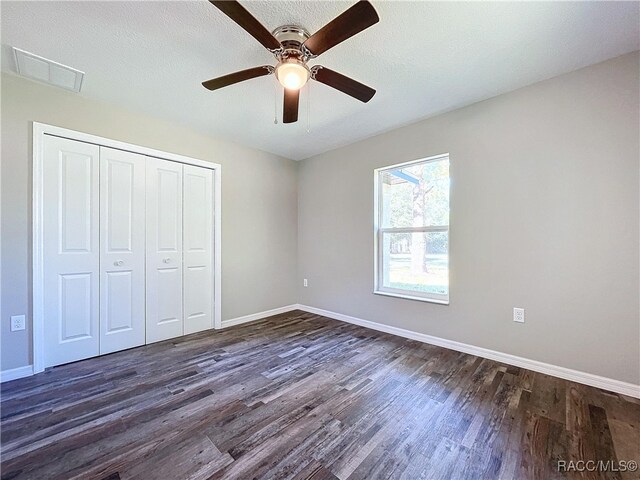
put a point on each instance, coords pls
(302, 396)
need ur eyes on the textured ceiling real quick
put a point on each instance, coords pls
(423, 58)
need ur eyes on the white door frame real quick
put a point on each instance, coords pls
(39, 132)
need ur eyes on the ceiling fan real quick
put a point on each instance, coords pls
(293, 47)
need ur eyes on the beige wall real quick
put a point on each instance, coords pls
(545, 216)
(259, 205)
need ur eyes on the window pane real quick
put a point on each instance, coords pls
(416, 195)
(417, 262)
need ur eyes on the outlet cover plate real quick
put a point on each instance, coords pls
(18, 323)
(518, 315)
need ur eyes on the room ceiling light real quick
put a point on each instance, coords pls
(292, 74)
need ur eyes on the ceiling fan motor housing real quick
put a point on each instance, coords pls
(292, 70)
(291, 37)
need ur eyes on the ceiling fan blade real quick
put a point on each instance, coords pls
(344, 84)
(290, 111)
(354, 20)
(236, 77)
(242, 17)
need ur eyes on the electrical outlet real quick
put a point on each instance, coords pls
(305, 283)
(518, 315)
(18, 323)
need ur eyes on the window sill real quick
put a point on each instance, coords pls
(411, 297)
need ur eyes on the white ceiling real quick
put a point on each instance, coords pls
(423, 58)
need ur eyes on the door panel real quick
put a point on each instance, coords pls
(122, 255)
(71, 250)
(168, 208)
(169, 304)
(198, 249)
(76, 172)
(75, 306)
(119, 302)
(164, 250)
(121, 192)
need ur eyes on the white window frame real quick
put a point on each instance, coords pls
(378, 231)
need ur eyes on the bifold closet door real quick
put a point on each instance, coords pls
(198, 248)
(164, 250)
(71, 250)
(122, 250)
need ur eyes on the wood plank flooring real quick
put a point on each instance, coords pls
(301, 396)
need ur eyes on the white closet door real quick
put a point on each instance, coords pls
(198, 249)
(71, 250)
(164, 250)
(122, 250)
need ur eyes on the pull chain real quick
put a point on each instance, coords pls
(275, 103)
(308, 107)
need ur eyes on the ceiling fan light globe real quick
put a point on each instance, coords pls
(292, 75)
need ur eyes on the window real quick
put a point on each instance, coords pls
(412, 230)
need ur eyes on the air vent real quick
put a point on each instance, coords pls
(47, 71)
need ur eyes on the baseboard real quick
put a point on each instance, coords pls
(15, 373)
(590, 379)
(561, 372)
(257, 316)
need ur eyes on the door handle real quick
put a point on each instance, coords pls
(118, 263)
(166, 260)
